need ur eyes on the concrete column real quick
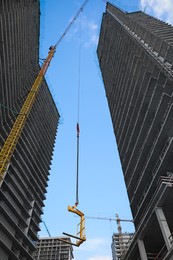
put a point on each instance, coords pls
(142, 250)
(163, 226)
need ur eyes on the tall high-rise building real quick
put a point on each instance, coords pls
(135, 53)
(51, 248)
(22, 191)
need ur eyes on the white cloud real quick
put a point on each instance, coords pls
(93, 244)
(93, 26)
(162, 9)
(93, 39)
(100, 258)
(89, 31)
(94, 249)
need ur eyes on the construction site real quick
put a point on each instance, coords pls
(86, 130)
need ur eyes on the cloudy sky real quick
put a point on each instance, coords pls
(101, 187)
(162, 9)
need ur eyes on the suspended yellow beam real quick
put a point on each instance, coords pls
(80, 236)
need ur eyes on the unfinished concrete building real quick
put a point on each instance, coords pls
(23, 188)
(51, 248)
(120, 244)
(135, 53)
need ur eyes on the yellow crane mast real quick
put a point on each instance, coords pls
(12, 139)
(15, 133)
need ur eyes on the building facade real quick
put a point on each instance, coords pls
(135, 53)
(51, 248)
(120, 244)
(23, 188)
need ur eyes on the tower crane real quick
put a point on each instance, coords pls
(118, 220)
(46, 228)
(9, 146)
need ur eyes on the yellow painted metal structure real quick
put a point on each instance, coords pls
(12, 139)
(80, 236)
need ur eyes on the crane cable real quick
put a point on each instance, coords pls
(80, 235)
(77, 170)
(78, 115)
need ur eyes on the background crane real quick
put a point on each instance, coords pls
(120, 234)
(117, 219)
(46, 228)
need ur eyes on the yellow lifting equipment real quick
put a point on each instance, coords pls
(80, 236)
(13, 137)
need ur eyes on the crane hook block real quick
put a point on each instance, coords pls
(80, 236)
